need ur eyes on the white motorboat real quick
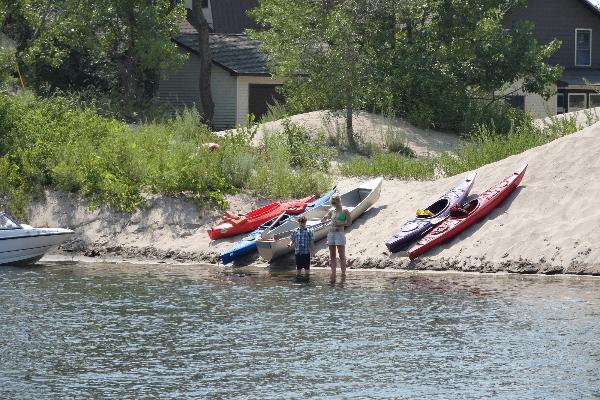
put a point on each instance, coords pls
(23, 244)
(273, 243)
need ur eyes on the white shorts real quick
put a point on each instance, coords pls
(336, 238)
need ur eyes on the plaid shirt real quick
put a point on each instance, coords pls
(301, 239)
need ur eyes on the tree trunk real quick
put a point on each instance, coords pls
(349, 128)
(196, 18)
(128, 79)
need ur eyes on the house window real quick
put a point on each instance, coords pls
(560, 103)
(594, 100)
(204, 3)
(516, 101)
(577, 101)
(583, 47)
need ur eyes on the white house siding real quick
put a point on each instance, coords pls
(243, 83)
(180, 89)
(534, 103)
(538, 107)
(223, 89)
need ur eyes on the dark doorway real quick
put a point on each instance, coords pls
(516, 101)
(260, 96)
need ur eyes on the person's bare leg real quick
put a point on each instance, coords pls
(342, 253)
(332, 261)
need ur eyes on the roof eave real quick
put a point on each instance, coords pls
(591, 6)
(231, 71)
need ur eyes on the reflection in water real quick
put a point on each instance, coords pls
(162, 331)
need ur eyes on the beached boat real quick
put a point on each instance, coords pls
(248, 243)
(432, 215)
(233, 224)
(469, 213)
(22, 244)
(273, 243)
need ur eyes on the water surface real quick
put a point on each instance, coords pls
(160, 331)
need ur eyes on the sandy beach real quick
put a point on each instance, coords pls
(549, 225)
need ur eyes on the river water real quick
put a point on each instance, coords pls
(160, 331)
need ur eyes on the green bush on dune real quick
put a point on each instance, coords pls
(389, 165)
(49, 143)
(292, 147)
(46, 143)
(486, 144)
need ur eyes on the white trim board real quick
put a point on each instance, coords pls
(590, 60)
(576, 94)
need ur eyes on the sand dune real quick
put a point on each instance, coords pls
(550, 224)
(368, 127)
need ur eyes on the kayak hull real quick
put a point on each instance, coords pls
(232, 225)
(273, 243)
(417, 227)
(248, 244)
(476, 210)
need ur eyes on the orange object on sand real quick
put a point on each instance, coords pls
(233, 224)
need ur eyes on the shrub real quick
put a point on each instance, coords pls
(275, 112)
(304, 151)
(277, 173)
(389, 165)
(394, 140)
(51, 143)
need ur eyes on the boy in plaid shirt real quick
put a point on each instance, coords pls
(302, 240)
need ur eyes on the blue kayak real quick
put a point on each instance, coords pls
(417, 227)
(248, 243)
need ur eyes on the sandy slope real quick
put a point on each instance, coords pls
(368, 127)
(551, 224)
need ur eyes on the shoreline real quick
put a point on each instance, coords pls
(548, 225)
(319, 262)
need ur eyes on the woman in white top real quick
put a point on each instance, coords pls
(336, 238)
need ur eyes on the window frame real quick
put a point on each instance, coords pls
(590, 99)
(560, 110)
(585, 101)
(590, 48)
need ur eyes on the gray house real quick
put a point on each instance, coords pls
(574, 23)
(240, 81)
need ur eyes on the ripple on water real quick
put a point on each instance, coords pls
(202, 332)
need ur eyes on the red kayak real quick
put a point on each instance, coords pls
(233, 224)
(465, 216)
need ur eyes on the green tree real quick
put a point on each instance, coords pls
(430, 60)
(320, 46)
(196, 18)
(451, 56)
(121, 46)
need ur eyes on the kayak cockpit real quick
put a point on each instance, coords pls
(438, 206)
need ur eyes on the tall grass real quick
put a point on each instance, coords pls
(389, 165)
(484, 146)
(275, 112)
(290, 164)
(487, 146)
(50, 144)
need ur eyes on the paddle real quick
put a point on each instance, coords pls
(435, 221)
(276, 221)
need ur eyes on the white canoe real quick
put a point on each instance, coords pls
(274, 243)
(23, 244)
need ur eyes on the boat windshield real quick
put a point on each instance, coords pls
(7, 223)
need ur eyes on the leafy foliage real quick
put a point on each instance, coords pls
(486, 145)
(433, 61)
(49, 144)
(119, 47)
(288, 167)
(390, 165)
